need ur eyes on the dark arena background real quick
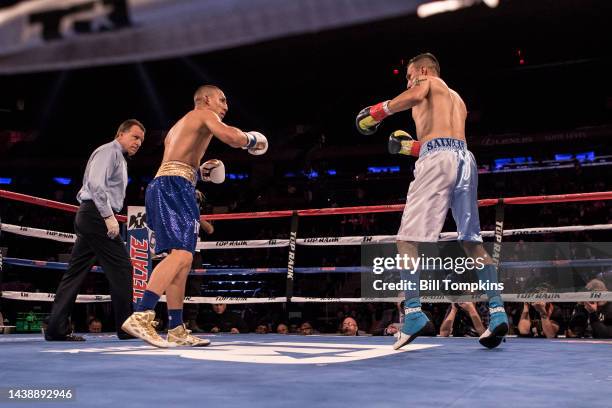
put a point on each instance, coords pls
(281, 287)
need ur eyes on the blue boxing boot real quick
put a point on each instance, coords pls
(498, 319)
(415, 321)
(498, 324)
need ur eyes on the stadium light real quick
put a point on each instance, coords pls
(444, 6)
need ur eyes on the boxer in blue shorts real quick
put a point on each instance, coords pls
(173, 214)
(445, 176)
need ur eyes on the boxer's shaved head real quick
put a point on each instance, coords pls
(211, 97)
(426, 60)
(203, 91)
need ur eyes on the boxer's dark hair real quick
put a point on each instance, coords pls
(199, 94)
(427, 60)
(127, 125)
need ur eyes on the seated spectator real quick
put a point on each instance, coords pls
(390, 330)
(222, 320)
(95, 326)
(306, 329)
(462, 321)
(261, 329)
(594, 318)
(380, 316)
(350, 328)
(282, 329)
(388, 324)
(540, 319)
(513, 309)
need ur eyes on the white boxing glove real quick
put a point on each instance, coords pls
(257, 143)
(213, 170)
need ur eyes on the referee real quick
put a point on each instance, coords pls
(97, 231)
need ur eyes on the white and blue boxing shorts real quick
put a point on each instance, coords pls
(445, 176)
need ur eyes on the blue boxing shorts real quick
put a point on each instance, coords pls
(172, 213)
(445, 177)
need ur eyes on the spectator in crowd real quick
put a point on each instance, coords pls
(95, 326)
(390, 330)
(351, 328)
(261, 329)
(306, 329)
(388, 323)
(282, 329)
(462, 321)
(513, 309)
(222, 320)
(594, 318)
(540, 319)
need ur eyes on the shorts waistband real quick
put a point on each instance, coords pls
(177, 168)
(442, 143)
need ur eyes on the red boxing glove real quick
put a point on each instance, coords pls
(380, 111)
(369, 118)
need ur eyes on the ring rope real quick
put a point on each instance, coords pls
(507, 297)
(320, 241)
(559, 198)
(43, 202)
(487, 202)
(564, 263)
(49, 297)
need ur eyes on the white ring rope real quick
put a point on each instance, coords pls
(551, 297)
(49, 297)
(508, 297)
(38, 233)
(322, 241)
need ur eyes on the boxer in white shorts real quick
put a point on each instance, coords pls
(445, 176)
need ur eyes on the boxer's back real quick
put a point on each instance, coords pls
(441, 114)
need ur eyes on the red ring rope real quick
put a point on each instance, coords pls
(560, 198)
(602, 195)
(43, 202)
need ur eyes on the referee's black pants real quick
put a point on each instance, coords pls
(92, 245)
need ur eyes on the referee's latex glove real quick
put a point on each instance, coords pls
(112, 226)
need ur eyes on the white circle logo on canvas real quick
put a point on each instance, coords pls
(262, 352)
